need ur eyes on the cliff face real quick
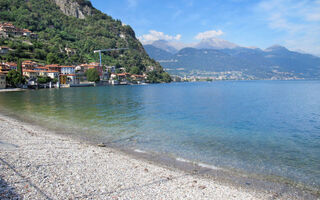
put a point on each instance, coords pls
(75, 8)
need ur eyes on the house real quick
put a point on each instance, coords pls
(28, 64)
(54, 67)
(4, 50)
(67, 69)
(138, 78)
(4, 68)
(11, 65)
(50, 73)
(111, 69)
(26, 32)
(123, 76)
(3, 82)
(53, 74)
(31, 74)
(8, 29)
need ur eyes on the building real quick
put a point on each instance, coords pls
(54, 67)
(31, 74)
(111, 69)
(53, 74)
(67, 69)
(4, 68)
(29, 64)
(11, 65)
(8, 29)
(4, 50)
(138, 78)
(3, 81)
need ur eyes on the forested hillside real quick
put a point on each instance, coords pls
(67, 39)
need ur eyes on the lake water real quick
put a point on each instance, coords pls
(263, 127)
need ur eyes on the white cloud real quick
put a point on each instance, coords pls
(132, 3)
(298, 20)
(155, 35)
(208, 34)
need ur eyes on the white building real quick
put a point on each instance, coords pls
(67, 70)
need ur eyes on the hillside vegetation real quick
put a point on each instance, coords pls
(58, 32)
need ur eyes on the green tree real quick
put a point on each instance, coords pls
(92, 75)
(14, 78)
(165, 77)
(134, 70)
(43, 79)
(52, 58)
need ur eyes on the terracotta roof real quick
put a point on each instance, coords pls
(52, 71)
(30, 70)
(53, 65)
(123, 74)
(11, 64)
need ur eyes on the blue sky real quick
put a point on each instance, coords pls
(259, 23)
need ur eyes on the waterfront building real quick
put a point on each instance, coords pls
(67, 70)
(31, 74)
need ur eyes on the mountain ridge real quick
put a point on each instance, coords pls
(252, 63)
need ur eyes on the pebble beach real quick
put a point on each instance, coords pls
(38, 164)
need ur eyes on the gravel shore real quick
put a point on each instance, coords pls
(39, 164)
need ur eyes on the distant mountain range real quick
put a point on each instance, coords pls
(225, 60)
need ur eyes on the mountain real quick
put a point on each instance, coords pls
(158, 53)
(214, 43)
(275, 62)
(75, 26)
(165, 45)
(211, 43)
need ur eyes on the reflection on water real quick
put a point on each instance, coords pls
(266, 127)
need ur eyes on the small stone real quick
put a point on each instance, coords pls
(202, 187)
(195, 181)
(146, 170)
(247, 183)
(101, 145)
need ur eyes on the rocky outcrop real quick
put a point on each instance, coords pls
(75, 8)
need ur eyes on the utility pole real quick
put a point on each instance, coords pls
(106, 50)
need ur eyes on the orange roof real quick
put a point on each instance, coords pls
(52, 71)
(123, 74)
(53, 65)
(4, 47)
(11, 64)
(30, 70)
(26, 31)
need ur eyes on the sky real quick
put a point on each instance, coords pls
(294, 24)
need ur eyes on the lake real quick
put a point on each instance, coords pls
(270, 128)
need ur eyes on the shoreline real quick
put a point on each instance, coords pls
(107, 167)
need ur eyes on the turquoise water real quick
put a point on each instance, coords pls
(263, 127)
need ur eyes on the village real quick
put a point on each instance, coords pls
(68, 76)
(38, 75)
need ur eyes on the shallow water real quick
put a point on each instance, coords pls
(264, 127)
